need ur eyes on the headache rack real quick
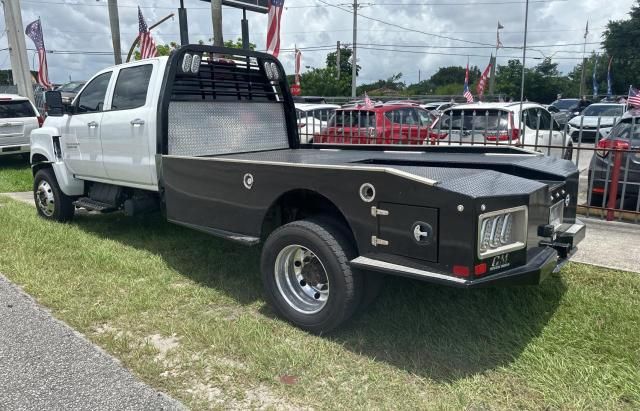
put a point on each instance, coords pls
(203, 108)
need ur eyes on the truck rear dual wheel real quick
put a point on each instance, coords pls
(307, 277)
(51, 202)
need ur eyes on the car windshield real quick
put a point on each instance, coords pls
(483, 120)
(72, 87)
(603, 111)
(353, 118)
(565, 104)
(16, 108)
(628, 129)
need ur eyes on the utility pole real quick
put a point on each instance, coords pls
(419, 75)
(114, 22)
(17, 48)
(494, 62)
(584, 59)
(354, 64)
(216, 19)
(524, 61)
(338, 59)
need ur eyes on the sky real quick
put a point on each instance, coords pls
(416, 36)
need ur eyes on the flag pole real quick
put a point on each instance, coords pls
(584, 62)
(524, 61)
(492, 79)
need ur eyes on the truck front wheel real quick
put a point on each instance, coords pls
(307, 277)
(51, 202)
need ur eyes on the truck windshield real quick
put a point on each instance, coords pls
(353, 118)
(467, 120)
(16, 108)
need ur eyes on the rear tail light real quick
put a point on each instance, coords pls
(40, 121)
(605, 145)
(502, 231)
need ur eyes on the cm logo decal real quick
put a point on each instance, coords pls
(500, 261)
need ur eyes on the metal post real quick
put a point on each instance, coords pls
(17, 48)
(114, 22)
(245, 30)
(184, 26)
(216, 19)
(338, 59)
(584, 65)
(524, 62)
(354, 64)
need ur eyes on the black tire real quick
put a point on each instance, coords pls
(51, 202)
(596, 200)
(333, 251)
(371, 281)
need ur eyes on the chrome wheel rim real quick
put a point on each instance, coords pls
(45, 199)
(301, 279)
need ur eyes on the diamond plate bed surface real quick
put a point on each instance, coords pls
(473, 181)
(214, 128)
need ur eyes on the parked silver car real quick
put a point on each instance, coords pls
(18, 116)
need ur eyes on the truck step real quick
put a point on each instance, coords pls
(94, 205)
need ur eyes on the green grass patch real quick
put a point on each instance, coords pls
(15, 174)
(185, 312)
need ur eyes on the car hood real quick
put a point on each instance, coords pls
(590, 121)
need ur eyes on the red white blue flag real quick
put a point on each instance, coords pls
(634, 97)
(298, 64)
(147, 45)
(466, 93)
(273, 27)
(34, 31)
(483, 80)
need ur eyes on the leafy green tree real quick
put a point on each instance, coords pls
(345, 63)
(621, 41)
(392, 83)
(324, 82)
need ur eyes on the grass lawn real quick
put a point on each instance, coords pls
(185, 312)
(15, 174)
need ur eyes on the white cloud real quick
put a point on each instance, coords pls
(86, 28)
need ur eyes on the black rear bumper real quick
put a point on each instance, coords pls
(541, 262)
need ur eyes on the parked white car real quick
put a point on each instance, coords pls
(312, 118)
(438, 106)
(18, 116)
(498, 123)
(597, 117)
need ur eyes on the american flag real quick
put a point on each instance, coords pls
(34, 31)
(147, 45)
(298, 63)
(273, 27)
(466, 93)
(483, 80)
(367, 101)
(634, 97)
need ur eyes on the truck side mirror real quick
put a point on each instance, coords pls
(53, 100)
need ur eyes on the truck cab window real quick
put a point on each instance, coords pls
(92, 98)
(131, 88)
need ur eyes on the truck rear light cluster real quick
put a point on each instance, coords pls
(502, 231)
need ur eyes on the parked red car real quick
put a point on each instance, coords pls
(381, 124)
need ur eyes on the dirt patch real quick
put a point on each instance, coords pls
(163, 344)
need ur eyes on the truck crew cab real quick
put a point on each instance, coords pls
(209, 136)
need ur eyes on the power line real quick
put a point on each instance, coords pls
(405, 28)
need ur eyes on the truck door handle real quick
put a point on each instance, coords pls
(92, 124)
(137, 122)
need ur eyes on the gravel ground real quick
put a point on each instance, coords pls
(44, 364)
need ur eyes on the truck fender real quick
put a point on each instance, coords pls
(44, 153)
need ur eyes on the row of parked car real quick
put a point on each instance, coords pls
(530, 125)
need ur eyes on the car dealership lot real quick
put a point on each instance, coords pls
(139, 281)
